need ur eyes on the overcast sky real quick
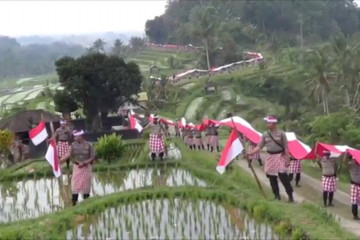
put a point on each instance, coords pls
(19, 18)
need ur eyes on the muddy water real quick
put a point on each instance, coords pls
(33, 198)
(171, 219)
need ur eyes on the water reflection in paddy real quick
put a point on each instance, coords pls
(171, 219)
(33, 198)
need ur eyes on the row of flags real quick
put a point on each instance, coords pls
(233, 147)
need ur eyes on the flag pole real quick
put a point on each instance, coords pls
(249, 162)
(62, 186)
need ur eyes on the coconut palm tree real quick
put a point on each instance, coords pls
(347, 69)
(319, 75)
(204, 26)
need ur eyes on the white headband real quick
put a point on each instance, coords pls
(62, 122)
(78, 133)
(271, 120)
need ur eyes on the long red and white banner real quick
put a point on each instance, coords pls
(255, 57)
(297, 148)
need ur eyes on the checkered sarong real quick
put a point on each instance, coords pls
(190, 140)
(329, 184)
(295, 166)
(197, 141)
(81, 179)
(273, 163)
(207, 139)
(156, 143)
(214, 141)
(63, 148)
(355, 194)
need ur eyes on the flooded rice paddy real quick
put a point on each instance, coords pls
(33, 198)
(171, 219)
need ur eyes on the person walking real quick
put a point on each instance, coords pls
(354, 168)
(214, 138)
(328, 167)
(156, 139)
(295, 169)
(177, 129)
(277, 159)
(84, 155)
(198, 143)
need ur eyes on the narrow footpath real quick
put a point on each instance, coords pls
(311, 191)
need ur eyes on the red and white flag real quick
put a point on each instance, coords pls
(38, 134)
(297, 149)
(232, 149)
(134, 123)
(53, 158)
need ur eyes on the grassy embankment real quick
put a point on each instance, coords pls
(235, 187)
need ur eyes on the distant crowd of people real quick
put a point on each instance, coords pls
(194, 139)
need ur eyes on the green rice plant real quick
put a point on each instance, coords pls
(110, 147)
(283, 228)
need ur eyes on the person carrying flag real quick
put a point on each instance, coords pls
(84, 155)
(354, 168)
(214, 138)
(197, 139)
(62, 137)
(156, 139)
(190, 138)
(328, 167)
(208, 136)
(277, 159)
(177, 129)
(295, 168)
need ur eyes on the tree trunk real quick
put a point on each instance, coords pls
(347, 98)
(96, 123)
(207, 53)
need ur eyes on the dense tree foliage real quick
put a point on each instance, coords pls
(34, 59)
(250, 24)
(97, 83)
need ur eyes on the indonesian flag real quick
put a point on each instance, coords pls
(200, 127)
(335, 150)
(244, 127)
(232, 149)
(167, 121)
(53, 158)
(134, 123)
(297, 149)
(38, 134)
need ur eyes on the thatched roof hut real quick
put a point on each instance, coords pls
(25, 120)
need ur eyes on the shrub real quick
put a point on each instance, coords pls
(6, 139)
(110, 147)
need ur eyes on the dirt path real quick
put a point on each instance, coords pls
(311, 191)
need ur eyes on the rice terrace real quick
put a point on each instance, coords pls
(180, 120)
